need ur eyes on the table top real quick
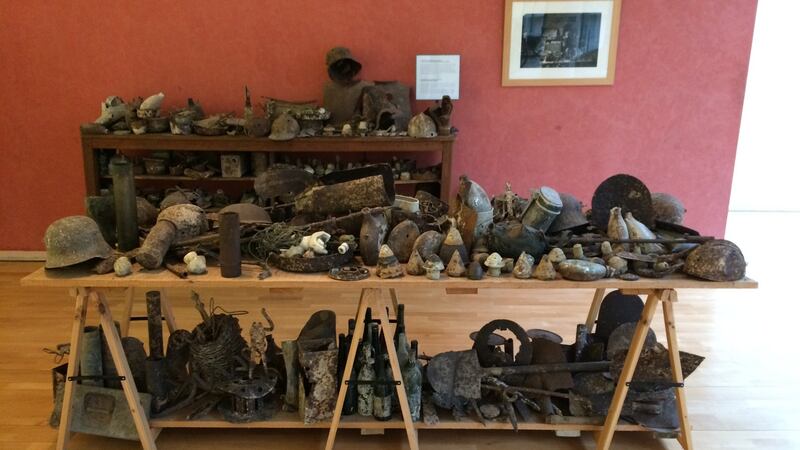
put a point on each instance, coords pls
(80, 277)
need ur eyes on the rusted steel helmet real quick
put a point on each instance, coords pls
(284, 128)
(717, 260)
(73, 240)
(668, 208)
(627, 192)
(422, 126)
(248, 212)
(571, 215)
(342, 67)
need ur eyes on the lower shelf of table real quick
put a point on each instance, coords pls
(291, 420)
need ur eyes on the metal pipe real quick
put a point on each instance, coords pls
(595, 366)
(124, 203)
(230, 246)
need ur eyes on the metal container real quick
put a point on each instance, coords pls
(124, 204)
(91, 356)
(230, 250)
(544, 207)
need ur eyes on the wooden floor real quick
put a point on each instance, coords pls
(742, 397)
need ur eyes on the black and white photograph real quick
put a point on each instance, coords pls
(560, 40)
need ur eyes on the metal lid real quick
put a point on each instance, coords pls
(549, 198)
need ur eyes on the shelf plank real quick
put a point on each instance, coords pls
(292, 420)
(336, 144)
(250, 179)
(161, 278)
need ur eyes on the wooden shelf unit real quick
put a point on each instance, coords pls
(94, 144)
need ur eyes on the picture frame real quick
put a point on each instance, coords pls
(560, 42)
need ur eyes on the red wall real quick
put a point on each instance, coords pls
(671, 118)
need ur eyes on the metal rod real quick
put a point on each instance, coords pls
(527, 391)
(594, 366)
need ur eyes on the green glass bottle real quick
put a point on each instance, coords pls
(382, 391)
(412, 381)
(366, 376)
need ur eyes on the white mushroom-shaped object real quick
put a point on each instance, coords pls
(495, 264)
(433, 267)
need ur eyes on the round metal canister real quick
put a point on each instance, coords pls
(542, 210)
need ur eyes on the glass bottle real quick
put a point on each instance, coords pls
(382, 391)
(412, 381)
(366, 376)
(351, 398)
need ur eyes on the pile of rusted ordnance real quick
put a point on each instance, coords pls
(351, 225)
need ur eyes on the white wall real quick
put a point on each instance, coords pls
(767, 172)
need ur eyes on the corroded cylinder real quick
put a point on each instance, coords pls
(124, 204)
(230, 250)
(289, 349)
(544, 207)
(154, 329)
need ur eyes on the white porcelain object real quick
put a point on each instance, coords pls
(406, 203)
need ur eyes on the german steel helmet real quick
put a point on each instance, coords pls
(73, 240)
(571, 215)
(284, 128)
(668, 208)
(342, 67)
(422, 126)
(717, 260)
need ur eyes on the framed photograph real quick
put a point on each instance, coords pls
(560, 42)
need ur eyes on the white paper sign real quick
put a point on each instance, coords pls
(437, 75)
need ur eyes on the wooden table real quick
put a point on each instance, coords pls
(88, 288)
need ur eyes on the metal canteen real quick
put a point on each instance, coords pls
(428, 243)
(373, 231)
(580, 270)
(511, 238)
(401, 239)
